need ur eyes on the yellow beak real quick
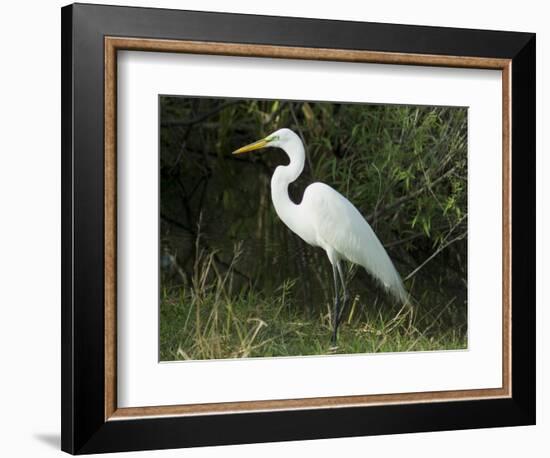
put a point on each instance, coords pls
(253, 146)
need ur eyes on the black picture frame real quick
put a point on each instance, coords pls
(84, 428)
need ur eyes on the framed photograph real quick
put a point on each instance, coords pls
(280, 228)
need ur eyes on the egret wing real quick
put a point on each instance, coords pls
(340, 226)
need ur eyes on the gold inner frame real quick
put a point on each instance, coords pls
(114, 44)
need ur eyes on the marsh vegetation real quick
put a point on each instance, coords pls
(235, 282)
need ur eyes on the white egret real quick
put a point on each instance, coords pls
(325, 218)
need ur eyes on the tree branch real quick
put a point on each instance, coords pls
(401, 200)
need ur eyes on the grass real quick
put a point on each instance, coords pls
(208, 320)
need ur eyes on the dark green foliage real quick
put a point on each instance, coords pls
(403, 167)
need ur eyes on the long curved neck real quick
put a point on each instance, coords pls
(283, 176)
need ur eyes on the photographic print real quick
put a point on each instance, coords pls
(296, 228)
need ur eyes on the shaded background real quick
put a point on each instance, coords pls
(403, 167)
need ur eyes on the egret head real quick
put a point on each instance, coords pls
(277, 139)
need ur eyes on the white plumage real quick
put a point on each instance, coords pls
(341, 228)
(325, 218)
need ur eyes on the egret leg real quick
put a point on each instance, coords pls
(344, 291)
(336, 306)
